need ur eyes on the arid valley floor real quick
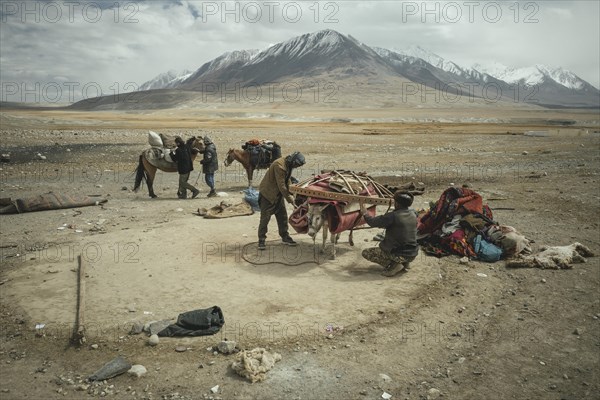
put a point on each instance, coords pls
(440, 330)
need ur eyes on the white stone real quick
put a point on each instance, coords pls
(153, 340)
(137, 370)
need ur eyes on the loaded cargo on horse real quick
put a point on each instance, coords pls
(158, 157)
(254, 154)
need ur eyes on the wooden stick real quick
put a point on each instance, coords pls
(79, 334)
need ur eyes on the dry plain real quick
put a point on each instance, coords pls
(442, 329)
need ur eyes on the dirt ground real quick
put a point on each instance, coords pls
(440, 330)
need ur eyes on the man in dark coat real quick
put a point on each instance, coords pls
(210, 164)
(399, 246)
(183, 157)
(273, 190)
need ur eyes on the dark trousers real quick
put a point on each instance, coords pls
(267, 209)
(183, 185)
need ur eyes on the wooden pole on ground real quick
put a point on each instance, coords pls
(79, 332)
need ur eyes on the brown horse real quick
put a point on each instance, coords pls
(150, 161)
(243, 157)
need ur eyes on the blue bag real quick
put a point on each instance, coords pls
(485, 250)
(251, 197)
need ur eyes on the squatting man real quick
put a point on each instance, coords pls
(399, 246)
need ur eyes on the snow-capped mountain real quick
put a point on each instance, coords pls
(305, 55)
(534, 75)
(166, 80)
(331, 56)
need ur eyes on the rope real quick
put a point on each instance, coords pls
(272, 262)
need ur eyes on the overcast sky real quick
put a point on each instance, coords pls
(98, 46)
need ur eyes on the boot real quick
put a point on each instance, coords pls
(212, 193)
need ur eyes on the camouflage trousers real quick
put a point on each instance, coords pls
(378, 256)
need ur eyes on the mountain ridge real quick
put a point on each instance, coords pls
(329, 54)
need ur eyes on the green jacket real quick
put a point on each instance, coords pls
(273, 183)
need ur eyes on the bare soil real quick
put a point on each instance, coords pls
(441, 329)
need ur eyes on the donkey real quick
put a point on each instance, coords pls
(318, 220)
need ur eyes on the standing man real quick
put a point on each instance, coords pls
(183, 157)
(399, 246)
(273, 189)
(209, 164)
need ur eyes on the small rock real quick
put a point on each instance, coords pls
(525, 153)
(94, 346)
(542, 363)
(385, 378)
(124, 188)
(99, 186)
(227, 346)
(565, 376)
(137, 370)
(136, 328)
(153, 340)
(180, 349)
(578, 331)
(214, 389)
(543, 280)
(433, 393)
(386, 396)
(464, 260)
(330, 336)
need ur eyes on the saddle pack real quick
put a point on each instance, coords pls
(262, 152)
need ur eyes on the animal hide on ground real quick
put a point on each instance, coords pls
(558, 257)
(47, 201)
(254, 364)
(226, 210)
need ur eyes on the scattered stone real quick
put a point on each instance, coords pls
(464, 260)
(115, 367)
(180, 349)
(153, 340)
(227, 346)
(565, 376)
(543, 280)
(542, 363)
(578, 331)
(136, 328)
(94, 346)
(155, 327)
(525, 153)
(124, 188)
(385, 378)
(215, 389)
(386, 396)
(137, 370)
(433, 394)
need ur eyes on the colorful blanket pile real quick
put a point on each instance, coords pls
(459, 223)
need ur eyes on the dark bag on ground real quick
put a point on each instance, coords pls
(196, 323)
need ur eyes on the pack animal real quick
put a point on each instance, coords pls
(154, 159)
(244, 157)
(318, 220)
